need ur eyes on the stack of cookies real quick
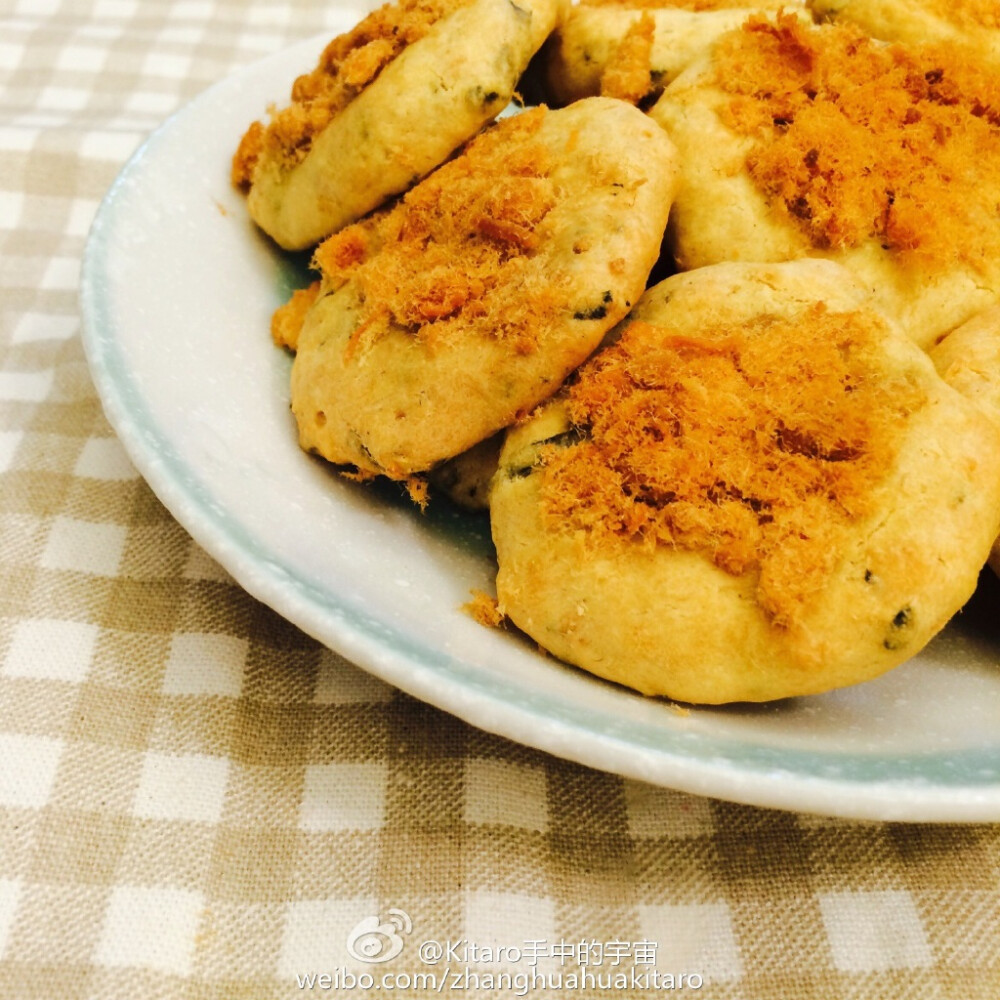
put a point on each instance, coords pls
(712, 327)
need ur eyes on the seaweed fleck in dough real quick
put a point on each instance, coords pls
(760, 489)
(387, 103)
(444, 318)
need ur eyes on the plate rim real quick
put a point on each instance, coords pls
(757, 781)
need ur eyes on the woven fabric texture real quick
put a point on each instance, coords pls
(197, 800)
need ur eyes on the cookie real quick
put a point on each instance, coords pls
(968, 359)
(761, 489)
(465, 479)
(971, 23)
(442, 319)
(801, 140)
(387, 103)
(632, 49)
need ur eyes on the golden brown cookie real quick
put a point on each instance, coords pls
(465, 479)
(804, 140)
(386, 104)
(761, 490)
(631, 49)
(971, 23)
(441, 320)
(968, 359)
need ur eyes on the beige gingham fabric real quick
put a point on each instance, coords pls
(196, 800)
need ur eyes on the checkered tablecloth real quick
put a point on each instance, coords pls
(197, 800)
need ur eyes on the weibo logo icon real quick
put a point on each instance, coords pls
(379, 939)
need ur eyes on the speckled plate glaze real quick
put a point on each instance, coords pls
(178, 288)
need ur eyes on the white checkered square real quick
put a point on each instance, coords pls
(316, 932)
(36, 9)
(29, 769)
(10, 54)
(62, 99)
(105, 458)
(150, 928)
(11, 205)
(692, 937)
(25, 387)
(257, 40)
(16, 139)
(33, 327)
(115, 146)
(875, 931)
(81, 215)
(51, 649)
(269, 15)
(497, 919)
(10, 891)
(343, 796)
(42, 120)
(201, 663)
(9, 443)
(192, 10)
(181, 787)
(175, 67)
(84, 546)
(150, 103)
(504, 793)
(80, 58)
(183, 34)
(62, 274)
(116, 10)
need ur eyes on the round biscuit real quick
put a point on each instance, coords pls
(588, 42)
(968, 359)
(971, 23)
(761, 490)
(802, 140)
(465, 479)
(431, 97)
(444, 318)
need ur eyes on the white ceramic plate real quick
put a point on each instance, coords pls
(178, 289)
